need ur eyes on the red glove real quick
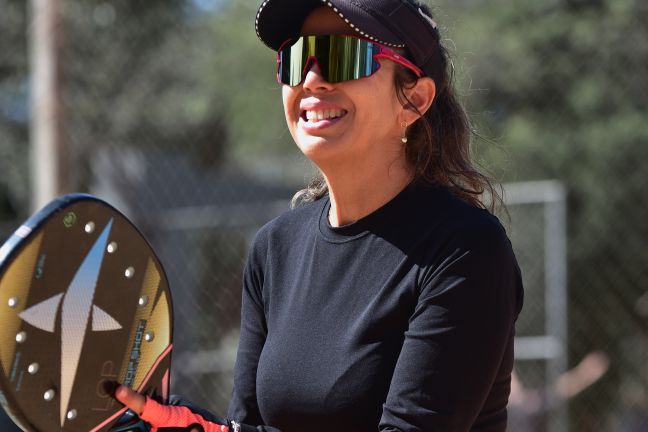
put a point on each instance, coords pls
(172, 418)
(168, 418)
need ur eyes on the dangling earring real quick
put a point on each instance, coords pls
(404, 126)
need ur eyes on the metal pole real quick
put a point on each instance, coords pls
(552, 346)
(47, 173)
(556, 299)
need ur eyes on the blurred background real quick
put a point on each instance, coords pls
(169, 110)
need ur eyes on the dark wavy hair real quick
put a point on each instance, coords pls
(439, 143)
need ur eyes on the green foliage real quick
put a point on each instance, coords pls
(561, 88)
(240, 68)
(14, 83)
(129, 80)
(168, 75)
(171, 75)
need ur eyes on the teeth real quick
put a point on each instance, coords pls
(323, 114)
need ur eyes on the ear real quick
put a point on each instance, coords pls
(420, 97)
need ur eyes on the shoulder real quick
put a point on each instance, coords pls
(273, 243)
(457, 223)
(478, 229)
(289, 226)
(463, 240)
(469, 249)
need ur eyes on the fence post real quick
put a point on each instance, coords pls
(47, 172)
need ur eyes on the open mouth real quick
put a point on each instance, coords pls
(320, 115)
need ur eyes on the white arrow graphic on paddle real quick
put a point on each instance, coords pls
(77, 305)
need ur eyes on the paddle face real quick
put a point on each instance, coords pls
(84, 302)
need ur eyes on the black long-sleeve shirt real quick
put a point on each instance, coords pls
(401, 321)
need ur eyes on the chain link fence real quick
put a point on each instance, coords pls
(169, 110)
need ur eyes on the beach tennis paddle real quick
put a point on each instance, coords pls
(84, 303)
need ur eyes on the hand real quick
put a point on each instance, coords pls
(162, 418)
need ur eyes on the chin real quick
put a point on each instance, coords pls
(320, 150)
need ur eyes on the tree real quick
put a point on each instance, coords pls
(14, 117)
(561, 88)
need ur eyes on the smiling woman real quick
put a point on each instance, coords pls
(364, 142)
(387, 299)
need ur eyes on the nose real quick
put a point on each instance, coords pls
(314, 81)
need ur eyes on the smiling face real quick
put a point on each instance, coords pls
(352, 124)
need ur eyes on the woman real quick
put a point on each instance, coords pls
(387, 299)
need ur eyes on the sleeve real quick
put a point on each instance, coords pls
(243, 404)
(458, 338)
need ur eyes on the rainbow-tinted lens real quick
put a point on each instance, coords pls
(340, 58)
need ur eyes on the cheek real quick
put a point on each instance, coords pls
(381, 109)
(289, 96)
(379, 98)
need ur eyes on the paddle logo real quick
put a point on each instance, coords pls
(77, 308)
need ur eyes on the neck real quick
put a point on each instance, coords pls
(356, 193)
